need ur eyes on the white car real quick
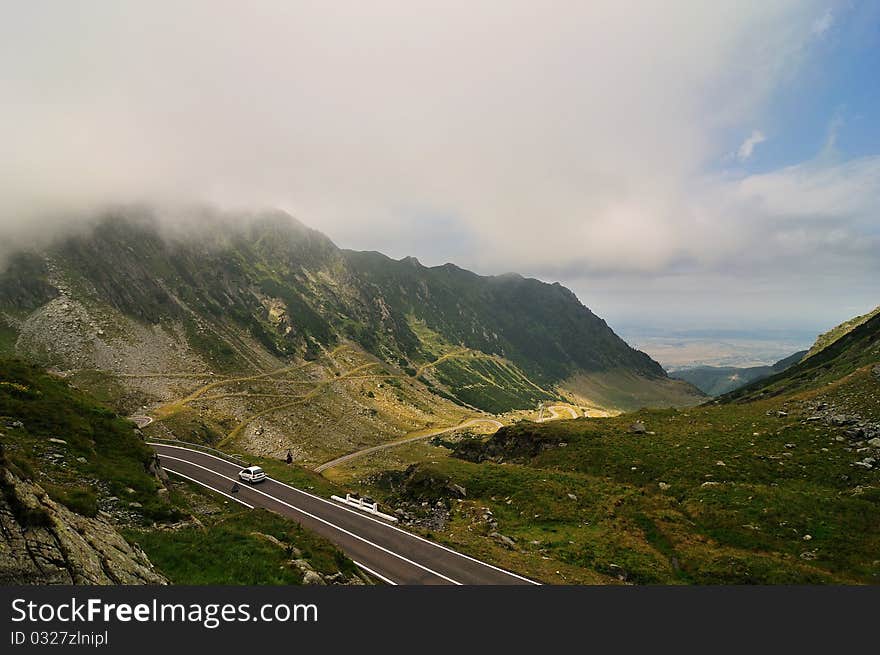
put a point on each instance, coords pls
(252, 474)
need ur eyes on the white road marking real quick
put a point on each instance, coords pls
(318, 518)
(364, 516)
(238, 500)
(372, 572)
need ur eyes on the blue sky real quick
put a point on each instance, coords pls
(835, 95)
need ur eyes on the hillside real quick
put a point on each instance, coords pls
(776, 483)
(718, 380)
(258, 331)
(827, 338)
(84, 502)
(852, 350)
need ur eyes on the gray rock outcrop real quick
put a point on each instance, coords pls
(43, 542)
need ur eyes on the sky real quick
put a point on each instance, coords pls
(679, 165)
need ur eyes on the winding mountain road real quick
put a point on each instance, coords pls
(391, 444)
(383, 550)
(555, 413)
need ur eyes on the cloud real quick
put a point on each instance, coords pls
(563, 138)
(822, 24)
(747, 147)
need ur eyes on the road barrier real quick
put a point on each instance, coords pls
(365, 505)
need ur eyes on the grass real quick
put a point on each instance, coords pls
(82, 500)
(827, 338)
(239, 547)
(8, 337)
(189, 425)
(91, 443)
(488, 384)
(752, 497)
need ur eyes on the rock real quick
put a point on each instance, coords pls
(638, 428)
(571, 496)
(58, 441)
(155, 469)
(271, 539)
(874, 443)
(808, 537)
(504, 540)
(508, 542)
(781, 414)
(302, 565)
(82, 460)
(313, 578)
(876, 370)
(710, 484)
(53, 545)
(664, 486)
(136, 505)
(15, 424)
(720, 463)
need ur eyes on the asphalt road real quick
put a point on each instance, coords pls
(388, 552)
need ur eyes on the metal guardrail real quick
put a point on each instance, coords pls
(205, 449)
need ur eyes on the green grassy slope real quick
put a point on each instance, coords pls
(91, 460)
(854, 349)
(780, 486)
(827, 338)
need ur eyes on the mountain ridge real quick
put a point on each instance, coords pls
(249, 295)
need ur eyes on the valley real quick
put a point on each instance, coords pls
(497, 416)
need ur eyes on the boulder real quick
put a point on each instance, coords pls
(313, 578)
(638, 428)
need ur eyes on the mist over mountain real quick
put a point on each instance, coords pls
(243, 292)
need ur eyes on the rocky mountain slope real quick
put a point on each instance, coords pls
(43, 542)
(262, 331)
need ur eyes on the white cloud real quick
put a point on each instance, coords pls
(564, 137)
(748, 146)
(822, 24)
